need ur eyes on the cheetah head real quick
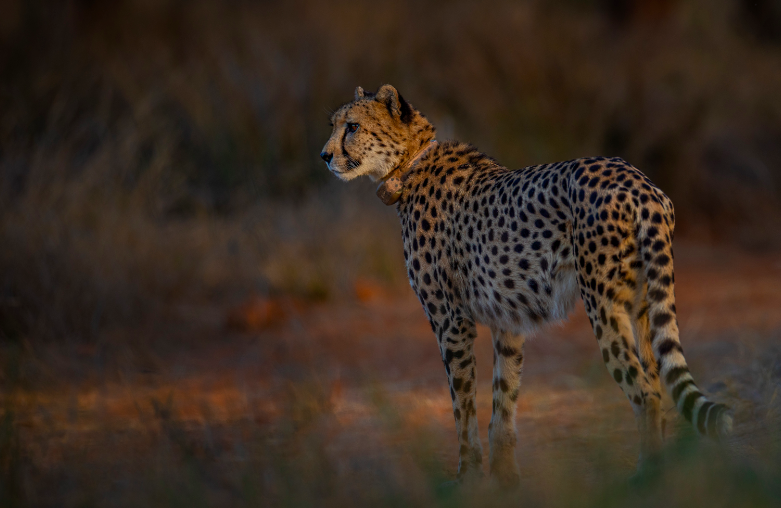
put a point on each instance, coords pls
(374, 134)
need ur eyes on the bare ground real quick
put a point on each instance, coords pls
(346, 403)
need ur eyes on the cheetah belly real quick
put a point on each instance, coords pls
(498, 311)
(565, 293)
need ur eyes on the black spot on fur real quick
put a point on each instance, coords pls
(662, 319)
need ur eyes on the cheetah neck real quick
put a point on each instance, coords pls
(389, 191)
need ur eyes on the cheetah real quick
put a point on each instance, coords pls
(513, 249)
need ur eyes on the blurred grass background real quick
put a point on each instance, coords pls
(160, 154)
(155, 149)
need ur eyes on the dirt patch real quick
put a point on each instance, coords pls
(346, 402)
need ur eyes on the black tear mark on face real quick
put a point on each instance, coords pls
(352, 162)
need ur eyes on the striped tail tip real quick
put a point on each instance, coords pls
(724, 424)
(714, 420)
(709, 418)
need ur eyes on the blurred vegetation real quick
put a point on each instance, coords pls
(156, 154)
(309, 457)
(152, 150)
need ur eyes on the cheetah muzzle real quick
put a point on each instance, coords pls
(513, 249)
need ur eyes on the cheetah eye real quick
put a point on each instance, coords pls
(352, 127)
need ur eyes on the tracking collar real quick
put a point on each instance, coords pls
(392, 185)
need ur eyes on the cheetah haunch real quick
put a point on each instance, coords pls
(512, 249)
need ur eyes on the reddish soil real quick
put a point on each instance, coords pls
(367, 373)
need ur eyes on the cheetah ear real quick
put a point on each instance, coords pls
(358, 93)
(397, 106)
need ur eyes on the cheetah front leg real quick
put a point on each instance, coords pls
(508, 368)
(456, 341)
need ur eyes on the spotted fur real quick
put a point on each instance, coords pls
(513, 249)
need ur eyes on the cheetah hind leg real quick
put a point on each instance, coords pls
(650, 421)
(508, 367)
(615, 327)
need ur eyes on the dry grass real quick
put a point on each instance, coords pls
(159, 151)
(81, 267)
(193, 312)
(345, 403)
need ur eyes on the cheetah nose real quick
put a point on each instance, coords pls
(327, 156)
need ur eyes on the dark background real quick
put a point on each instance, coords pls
(128, 126)
(161, 189)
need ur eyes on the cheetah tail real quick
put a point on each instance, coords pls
(655, 243)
